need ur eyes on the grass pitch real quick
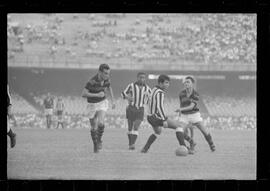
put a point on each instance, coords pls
(68, 154)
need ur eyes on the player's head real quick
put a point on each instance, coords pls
(104, 71)
(164, 81)
(141, 77)
(189, 82)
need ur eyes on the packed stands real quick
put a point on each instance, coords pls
(75, 38)
(20, 105)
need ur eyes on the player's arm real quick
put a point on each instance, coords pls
(112, 96)
(126, 93)
(191, 106)
(160, 106)
(86, 94)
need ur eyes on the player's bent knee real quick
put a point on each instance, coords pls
(158, 130)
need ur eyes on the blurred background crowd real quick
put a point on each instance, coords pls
(63, 38)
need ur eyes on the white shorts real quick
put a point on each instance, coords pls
(48, 111)
(190, 118)
(92, 108)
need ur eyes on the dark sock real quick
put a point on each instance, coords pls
(209, 139)
(180, 138)
(133, 138)
(100, 132)
(149, 142)
(129, 139)
(10, 133)
(188, 138)
(94, 136)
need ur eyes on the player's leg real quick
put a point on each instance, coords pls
(100, 127)
(179, 127)
(206, 135)
(138, 120)
(152, 138)
(157, 127)
(130, 124)
(11, 135)
(93, 132)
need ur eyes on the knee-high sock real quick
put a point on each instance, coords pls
(180, 136)
(209, 139)
(129, 137)
(133, 137)
(150, 141)
(94, 136)
(100, 131)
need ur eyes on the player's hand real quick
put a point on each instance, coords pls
(129, 98)
(101, 94)
(178, 111)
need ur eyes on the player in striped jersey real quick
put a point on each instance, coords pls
(10, 133)
(189, 111)
(156, 116)
(137, 94)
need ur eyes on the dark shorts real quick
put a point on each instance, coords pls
(154, 121)
(59, 113)
(132, 113)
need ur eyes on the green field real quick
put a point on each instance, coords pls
(67, 154)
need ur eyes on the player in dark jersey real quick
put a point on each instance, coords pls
(137, 94)
(157, 118)
(10, 133)
(48, 107)
(95, 92)
(189, 109)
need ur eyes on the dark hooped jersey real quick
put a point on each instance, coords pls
(186, 101)
(96, 86)
(48, 103)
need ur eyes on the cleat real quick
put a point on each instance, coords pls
(99, 145)
(143, 151)
(192, 146)
(13, 140)
(213, 148)
(191, 152)
(132, 147)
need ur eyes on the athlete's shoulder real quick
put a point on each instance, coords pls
(182, 93)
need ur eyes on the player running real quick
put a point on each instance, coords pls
(189, 111)
(48, 107)
(137, 94)
(60, 106)
(95, 93)
(157, 118)
(10, 115)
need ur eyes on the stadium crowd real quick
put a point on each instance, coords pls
(119, 121)
(75, 113)
(205, 38)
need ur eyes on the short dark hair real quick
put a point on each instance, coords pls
(141, 73)
(103, 67)
(191, 78)
(162, 78)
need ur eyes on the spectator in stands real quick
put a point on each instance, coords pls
(48, 106)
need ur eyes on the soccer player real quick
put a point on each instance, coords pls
(95, 93)
(10, 115)
(137, 94)
(157, 118)
(60, 106)
(48, 106)
(189, 109)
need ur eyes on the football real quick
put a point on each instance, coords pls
(181, 151)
